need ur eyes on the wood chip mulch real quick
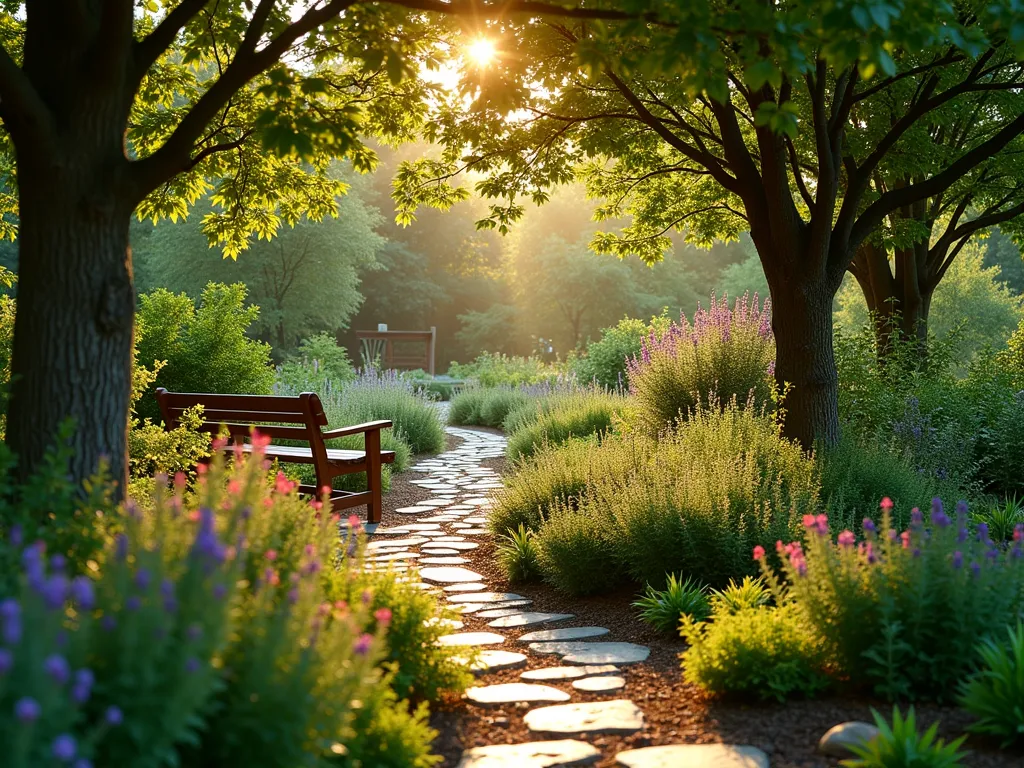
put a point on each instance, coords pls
(675, 711)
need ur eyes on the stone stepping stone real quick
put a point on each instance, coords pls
(513, 693)
(492, 661)
(421, 527)
(384, 558)
(464, 588)
(409, 541)
(600, 684)
(438, 519)
(595, 653)
(693, 756)
(434, 503)
(565, 753)
(443, 560)
(476, 502)
(475, 520)
(461, 525)
(528, 619)
(471, 638)
(497, 613)
(568, 673)
(597, 717)
(564, 633)
(448, 538)
(441, 552)
(446, 623)
(485, 597)
(464, 546)
(468, 607)
(451, 575)
(413, 510)
(518, 605)
(472, 531)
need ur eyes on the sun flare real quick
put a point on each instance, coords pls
(482, 51)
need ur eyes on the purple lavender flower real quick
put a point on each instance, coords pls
(55, 591)
(191, 665)
(57, 668)
(939, 517)
(193, 633)
(958, 560)
(142, 579)
(58, 563)
(133, 603)
(82, 593)
(961, 508)
(17, 536)
(82, 763)
(121, 547)
(114, 716)
(6, 661)
(219, 590)
(983, 533)
(363, 644)
(961, 535)
(916, 518)
(869, 525)
(108, 623)
(976, 569)
(64, 748)
(27, 710)
(10, 613)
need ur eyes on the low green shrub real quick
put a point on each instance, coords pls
(202, 637)
(856, 476)
(994, 693)
(604, 363)
(767, 653)
(574, 555)
(559, 475)
(319, 365)
(385, 733)
(579, 414)
(464, 409)
(498, 403)
(733, 598)
(902, 612)
(205, 348)
(728, 353)
(492, 369)
(902, 746)
(517, 555)
(663, 608)
(721, 483)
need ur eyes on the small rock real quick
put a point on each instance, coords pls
(839, 738)
(693, 756)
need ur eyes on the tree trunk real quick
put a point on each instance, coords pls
(72, 351)
(805, 365)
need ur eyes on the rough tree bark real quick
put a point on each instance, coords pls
(73, 330)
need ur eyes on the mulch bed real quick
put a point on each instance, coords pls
(675, 711)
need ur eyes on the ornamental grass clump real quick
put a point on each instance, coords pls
(727, 352)
(901, 611)
(994, 694)
(579, 414)
(204, 637)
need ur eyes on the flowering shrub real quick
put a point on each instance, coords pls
(726, 352)
(204, 638)
(902, 611)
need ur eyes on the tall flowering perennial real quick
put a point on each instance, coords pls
(901, 611)
(726, 352)
(204, 606)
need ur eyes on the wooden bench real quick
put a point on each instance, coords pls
(276, 417)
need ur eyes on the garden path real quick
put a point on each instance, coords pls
(433, 544)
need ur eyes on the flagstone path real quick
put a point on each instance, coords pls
(432, 544)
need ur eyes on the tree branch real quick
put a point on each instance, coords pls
(150, 48)
(22, 108)
(531, 7)
(898, 198)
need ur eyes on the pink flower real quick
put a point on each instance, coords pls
(259, 440)
(779, 546)
(367, 596)
(180, 480)
(271, 555)
(847, 539)
(758, 552)
(809, 521)
(234, 487)
(886, 504)
(383, 616)
(353, 521)
(905, 537)
(283, 484)
(362, 646)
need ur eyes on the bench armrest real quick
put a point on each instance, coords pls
(358, 429)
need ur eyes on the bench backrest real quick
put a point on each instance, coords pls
(239, 414)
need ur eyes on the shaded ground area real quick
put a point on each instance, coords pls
(675, 712)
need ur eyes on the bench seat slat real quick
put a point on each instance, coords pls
(224, 414)
(298, 455)
(273, 431)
